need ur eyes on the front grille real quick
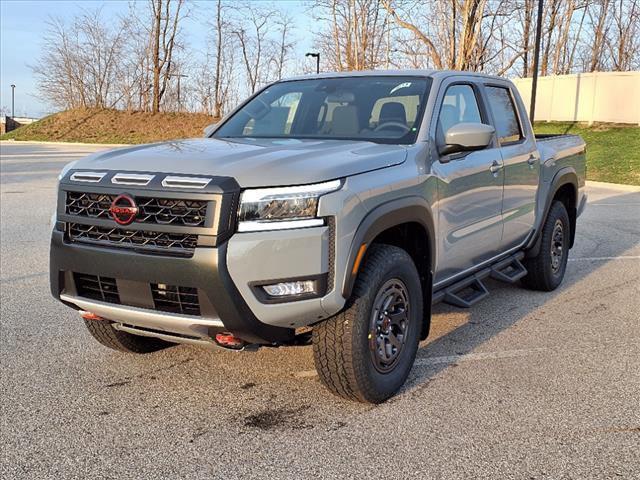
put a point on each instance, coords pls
(97, 287)
(162, 211)
(175, 299)
(153, 242)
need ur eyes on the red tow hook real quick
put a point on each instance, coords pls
(227, 340)
(90, 316)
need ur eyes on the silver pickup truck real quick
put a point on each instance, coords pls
(332, 209)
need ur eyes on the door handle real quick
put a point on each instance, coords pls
(495, 167)
(532, 159)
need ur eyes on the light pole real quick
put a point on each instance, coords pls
(13, 100)
(536, 58)
(315, 55)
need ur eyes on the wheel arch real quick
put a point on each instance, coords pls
(563, 187)
(406, 223)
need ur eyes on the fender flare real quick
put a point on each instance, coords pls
(565, 176)
(412, 209)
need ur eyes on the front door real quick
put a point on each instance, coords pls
(470, 186)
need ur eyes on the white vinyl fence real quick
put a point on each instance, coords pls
(585, 97)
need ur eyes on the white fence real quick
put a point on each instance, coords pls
(585, 97)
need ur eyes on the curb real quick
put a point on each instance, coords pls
(618, 186)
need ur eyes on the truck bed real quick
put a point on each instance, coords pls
(561, 150)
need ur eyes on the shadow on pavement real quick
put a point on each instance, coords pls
(443, 351)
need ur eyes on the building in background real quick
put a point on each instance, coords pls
(8, 123)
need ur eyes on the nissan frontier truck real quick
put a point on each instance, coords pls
(331, 210)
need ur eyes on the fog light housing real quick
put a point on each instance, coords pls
(290, 289)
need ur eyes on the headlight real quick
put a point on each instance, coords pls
(282, 207)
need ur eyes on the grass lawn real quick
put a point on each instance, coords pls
(613, 151)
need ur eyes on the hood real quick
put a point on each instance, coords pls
(252, 162)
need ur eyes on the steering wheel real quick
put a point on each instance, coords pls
(392, 124)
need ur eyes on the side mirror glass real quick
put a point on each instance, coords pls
(208, 130)
(466, 137)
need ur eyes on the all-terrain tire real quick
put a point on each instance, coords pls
(546, 270)
(108, 336)
(345, 346)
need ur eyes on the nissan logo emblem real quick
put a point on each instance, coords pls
(123, 209)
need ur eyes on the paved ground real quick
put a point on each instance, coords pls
(524, 385)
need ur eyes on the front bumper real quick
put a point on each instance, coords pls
(222, 306)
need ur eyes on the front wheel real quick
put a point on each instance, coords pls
(365, 352)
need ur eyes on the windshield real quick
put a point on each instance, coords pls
(377, 109)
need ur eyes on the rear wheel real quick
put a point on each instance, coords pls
(365, 352)
(108, 336)
(546, 270)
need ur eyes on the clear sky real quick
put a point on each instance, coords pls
(22, 23)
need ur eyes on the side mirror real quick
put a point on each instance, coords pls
(208, 130)
(465, 137)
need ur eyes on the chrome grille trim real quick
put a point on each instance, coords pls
(90, 177)
(132, 179)
(185, 182)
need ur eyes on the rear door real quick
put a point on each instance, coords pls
(469, 186)
(521, 163)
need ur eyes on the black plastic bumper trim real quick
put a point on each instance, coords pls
(206, 270)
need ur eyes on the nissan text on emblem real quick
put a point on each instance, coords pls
(123, 209)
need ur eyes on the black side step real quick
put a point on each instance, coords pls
(466, 292)
(509, 270)
(470, 290)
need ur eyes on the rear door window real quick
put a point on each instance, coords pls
(505, 115)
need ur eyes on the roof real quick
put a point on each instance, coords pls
(392, 73)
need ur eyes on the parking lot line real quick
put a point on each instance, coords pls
(604, 259)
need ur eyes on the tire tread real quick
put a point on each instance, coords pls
(108, 336)
(339, 367)
(539, 275)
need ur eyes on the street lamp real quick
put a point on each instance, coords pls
(13, 100)
(317, 57)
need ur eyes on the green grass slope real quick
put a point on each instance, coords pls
(613, 150)
(112, 126)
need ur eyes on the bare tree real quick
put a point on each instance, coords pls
(140, 62)
(79, 65)
(166, 17)
(356, 34)
(218, 89)
(600, 30)
(463, 34)
(432, 51)
(624, 42)
(283, 44)
(252, 32)
(215, 77)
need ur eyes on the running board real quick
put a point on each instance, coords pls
(509, 270)
(465, 293)
(470, 290)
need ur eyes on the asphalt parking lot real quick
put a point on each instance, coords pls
(523, 385)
